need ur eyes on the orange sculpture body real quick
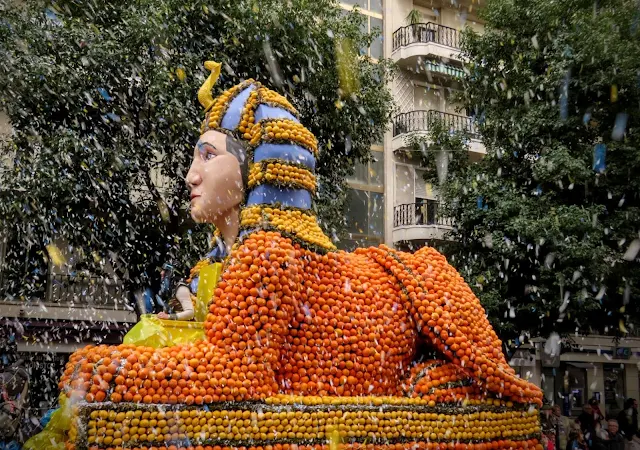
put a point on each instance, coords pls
(305, 346)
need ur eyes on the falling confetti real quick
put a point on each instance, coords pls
(599, 156)
(622, 327)
(614, 93)
(620, 126)
(632, 250)
(564, 97)
(346, 63)
(56, 256)
(103, 92)
(181, 74)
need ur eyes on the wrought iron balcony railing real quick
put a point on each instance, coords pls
(85, 291)
(419, 214)
(421, 120)
(425, 33)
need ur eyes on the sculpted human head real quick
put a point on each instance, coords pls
(215, 178)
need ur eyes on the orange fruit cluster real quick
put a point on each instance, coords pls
(440, 382)
(289, 320)
(272, 97)
(451, 317)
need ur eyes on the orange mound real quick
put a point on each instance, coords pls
(287, 320)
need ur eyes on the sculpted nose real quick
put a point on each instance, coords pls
(193, 177)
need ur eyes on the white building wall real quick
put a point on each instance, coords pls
(631, 380)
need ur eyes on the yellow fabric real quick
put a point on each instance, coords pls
(157, 333)
(54, 434)
(153, 332)
(207, 282)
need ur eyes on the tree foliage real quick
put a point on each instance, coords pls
(102, 99)
(548, 221)
(442, 151)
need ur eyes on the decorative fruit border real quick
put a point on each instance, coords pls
(361, 422)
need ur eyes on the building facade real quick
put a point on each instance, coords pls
(390, 202)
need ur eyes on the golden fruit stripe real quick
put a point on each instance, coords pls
(129, 424)
(274, 99)
(283, 131)
(214, 116)
(247, 118)
(404, 445)
(303, 225)
(281, 174)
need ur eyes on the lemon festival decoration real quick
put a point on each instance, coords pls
(306, 347)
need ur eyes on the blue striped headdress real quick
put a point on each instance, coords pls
(282, 154)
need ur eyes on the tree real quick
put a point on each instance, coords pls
(548, 221)
(102, 98)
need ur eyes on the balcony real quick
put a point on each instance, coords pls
(419, 222)
(424, 40)
(76, 297)
(419, 122)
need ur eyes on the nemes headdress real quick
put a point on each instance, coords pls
(281, 153)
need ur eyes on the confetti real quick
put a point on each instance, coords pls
(56, 256)
(599, 156)
(620, 126)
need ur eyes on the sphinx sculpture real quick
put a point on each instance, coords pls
(304, 345)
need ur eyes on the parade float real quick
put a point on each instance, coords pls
(304, 346)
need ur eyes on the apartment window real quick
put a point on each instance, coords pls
(548, 384)
(365, 213)
(376, 49)
(371, 173)
(575, 385)
(369, 5)
(372, 12)
(613, 388)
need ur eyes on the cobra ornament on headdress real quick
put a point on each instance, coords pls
(281, 153)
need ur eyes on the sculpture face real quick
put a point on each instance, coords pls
(214, 179)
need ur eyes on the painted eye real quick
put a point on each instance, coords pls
(206, 152)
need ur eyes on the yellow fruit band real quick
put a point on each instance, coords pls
(281, 174)
(283, 131)
(289, 221)
(239, 424)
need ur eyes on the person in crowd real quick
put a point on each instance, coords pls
(562, 425)
(614, 437)
(628, 419)
(586, 421)
(576, 441)
(596, 411)
(548, 428)
(14, 391)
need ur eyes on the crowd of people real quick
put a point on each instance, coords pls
(591, 430)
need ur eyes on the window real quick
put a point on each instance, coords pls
(376, 49)
(365, 213)
(371, 173)
(370, 5)
(548, 384)
(575, 385)
(372, 12)
(613, 388)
